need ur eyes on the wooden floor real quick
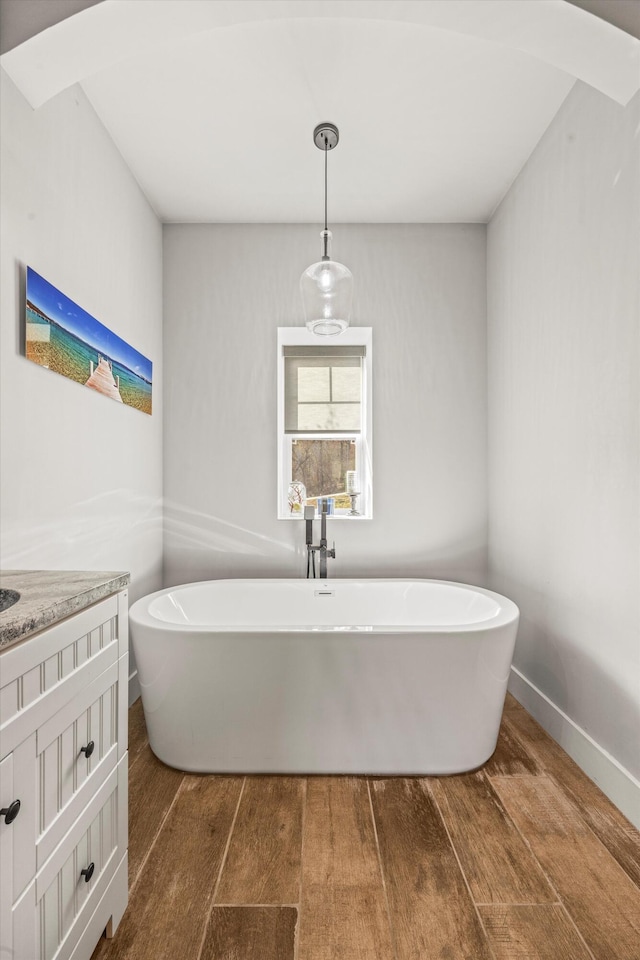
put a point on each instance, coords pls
(524, 859)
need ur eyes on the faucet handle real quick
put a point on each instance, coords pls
(332, 553)
(309, 512)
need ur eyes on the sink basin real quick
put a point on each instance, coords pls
(8, 598)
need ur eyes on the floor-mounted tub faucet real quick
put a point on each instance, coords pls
(321, 548)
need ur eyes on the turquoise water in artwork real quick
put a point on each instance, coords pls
(72, 357)
(133, 389)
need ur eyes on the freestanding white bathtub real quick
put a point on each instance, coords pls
(314, 676)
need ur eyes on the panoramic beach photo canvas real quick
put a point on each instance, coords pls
(63, 337)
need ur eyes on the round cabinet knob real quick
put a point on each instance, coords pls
(88, 750)
(87, 873)
(11, 812)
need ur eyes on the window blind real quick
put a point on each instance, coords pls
(323, 389)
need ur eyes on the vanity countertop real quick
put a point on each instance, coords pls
(47, 596)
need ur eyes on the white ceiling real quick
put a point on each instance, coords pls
(434, 126)
(213, 106)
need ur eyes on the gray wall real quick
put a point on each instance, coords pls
(81, 475)
(22, 19)
(422, 289)
(564, 416)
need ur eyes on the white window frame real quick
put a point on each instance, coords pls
(352, 336)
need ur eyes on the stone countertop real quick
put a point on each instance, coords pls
(47, 596)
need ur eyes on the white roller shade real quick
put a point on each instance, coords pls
(323, 389)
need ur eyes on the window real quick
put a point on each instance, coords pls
(324, 422)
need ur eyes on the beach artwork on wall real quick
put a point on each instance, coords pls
(63, 337)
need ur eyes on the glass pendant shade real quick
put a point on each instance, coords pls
(327, 293)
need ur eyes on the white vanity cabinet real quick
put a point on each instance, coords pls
(63, 742)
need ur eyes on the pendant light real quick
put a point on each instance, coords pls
(326, 286)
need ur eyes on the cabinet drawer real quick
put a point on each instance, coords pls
(46, 664)
(65, 777)
(63, 897)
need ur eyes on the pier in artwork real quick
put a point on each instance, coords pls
(103, 381)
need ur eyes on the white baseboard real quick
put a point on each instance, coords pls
(618, 784)
(134, 687)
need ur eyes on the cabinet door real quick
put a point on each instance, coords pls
(70, 885)
(17, 927)
(6, 859)
(17, 840)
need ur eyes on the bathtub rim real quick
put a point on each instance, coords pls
(508, 611)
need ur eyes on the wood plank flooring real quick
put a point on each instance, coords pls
(523, 860)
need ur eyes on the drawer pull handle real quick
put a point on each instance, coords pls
(88, 750)
(11, 812)
(87, 873)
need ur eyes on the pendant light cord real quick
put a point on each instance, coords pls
(325, 242)
(326, 151)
